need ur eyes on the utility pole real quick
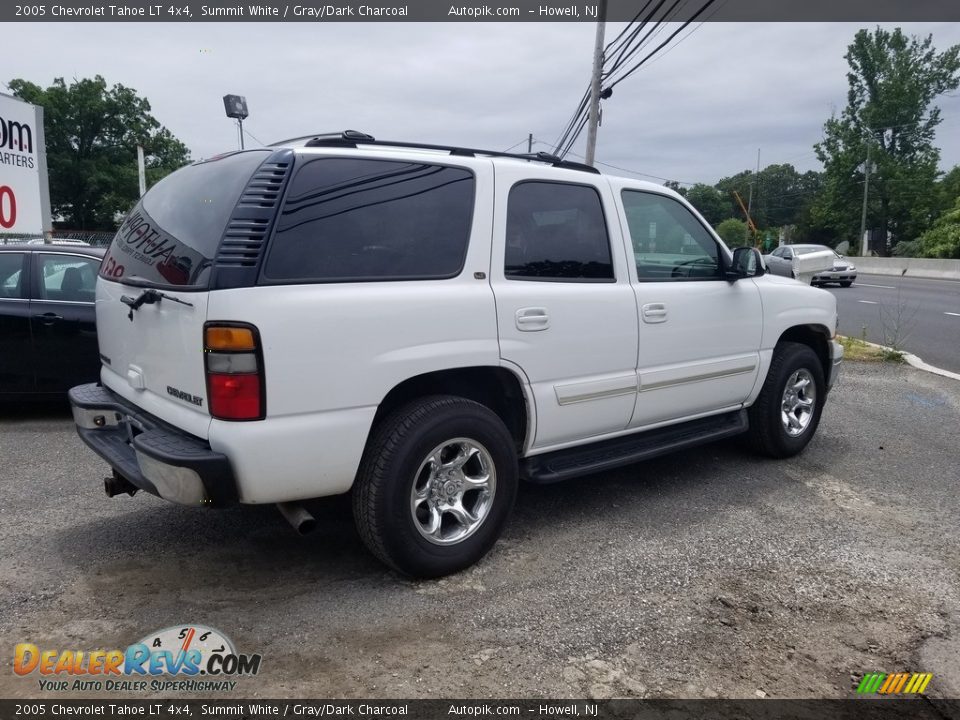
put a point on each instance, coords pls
(753, 227)
(863, 215)
(530, 143)
(141, 171)
(755, 175)
(594, 118)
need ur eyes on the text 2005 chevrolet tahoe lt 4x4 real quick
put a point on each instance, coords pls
(422, 326)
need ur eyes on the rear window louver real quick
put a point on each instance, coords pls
(241, 249)
(246, 232)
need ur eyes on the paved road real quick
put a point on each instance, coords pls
(711, 573)
(924, 313)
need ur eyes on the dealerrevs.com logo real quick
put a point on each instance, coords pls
(179, 658)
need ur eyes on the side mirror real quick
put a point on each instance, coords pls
(747, 262)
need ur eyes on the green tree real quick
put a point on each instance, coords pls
(92, 133)
(733, 232)
(948, 189)
(782, 194)
(943, 239)
(894, 80)
(676, 187)
(709, 202)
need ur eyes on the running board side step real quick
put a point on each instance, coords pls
(607, 454)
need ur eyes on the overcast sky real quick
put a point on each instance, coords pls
(697, 113)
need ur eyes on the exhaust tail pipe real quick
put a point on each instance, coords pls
(298, 517)
(116, 484)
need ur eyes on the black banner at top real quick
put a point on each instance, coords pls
(492, 11)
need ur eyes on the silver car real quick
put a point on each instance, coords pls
(780, 262)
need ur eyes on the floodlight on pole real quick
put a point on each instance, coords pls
(236, 107)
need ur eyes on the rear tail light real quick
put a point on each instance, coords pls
(234, 363)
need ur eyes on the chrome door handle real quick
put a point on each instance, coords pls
(532, 319)
(48, 318)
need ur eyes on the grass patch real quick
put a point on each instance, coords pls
(858, 350)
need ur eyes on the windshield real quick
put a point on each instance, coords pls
(171, 236)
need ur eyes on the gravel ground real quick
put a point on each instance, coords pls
(709, 574)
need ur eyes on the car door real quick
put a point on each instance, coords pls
(63, 320)
(700, 334)
(786, 263)
(565, 309)
(774, 259)
(16, 351)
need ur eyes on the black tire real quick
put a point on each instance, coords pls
(767, 434)
(383, 491)
(846, 283)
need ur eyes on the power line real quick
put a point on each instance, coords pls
(618, 167)
(625, 55)
(627, 27)
(574, 136)
(699, 25)
(573, 121)
(252, 136)
(636, 67)
(514, 145)
(623, 48)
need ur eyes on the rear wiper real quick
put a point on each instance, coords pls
(148, 297)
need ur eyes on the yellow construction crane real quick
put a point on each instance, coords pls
(750, 223)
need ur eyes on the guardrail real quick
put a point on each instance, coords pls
(911, 267)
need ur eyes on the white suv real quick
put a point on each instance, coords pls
(422, 326)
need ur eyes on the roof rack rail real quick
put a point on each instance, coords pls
(347, 138)
(352, 138)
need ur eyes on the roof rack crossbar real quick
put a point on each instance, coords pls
(352, 138)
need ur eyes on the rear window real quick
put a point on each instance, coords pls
(353, 219)
(171, 236)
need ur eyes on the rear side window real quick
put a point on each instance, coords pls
(67, 278)
(556, 231)
(352, 219)
(171, 236)
(11, 275)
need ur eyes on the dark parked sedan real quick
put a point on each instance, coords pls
(48, 335)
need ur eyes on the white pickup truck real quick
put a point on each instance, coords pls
(423, 326)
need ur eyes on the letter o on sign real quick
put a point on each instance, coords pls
(8, 207)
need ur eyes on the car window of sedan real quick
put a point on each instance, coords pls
(68, 278)
(11, 275)
(778, 252)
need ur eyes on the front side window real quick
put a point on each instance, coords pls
(354, 219)
(556, 232)
(67, 278)
(669, 243)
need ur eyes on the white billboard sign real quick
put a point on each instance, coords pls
(24, 189)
